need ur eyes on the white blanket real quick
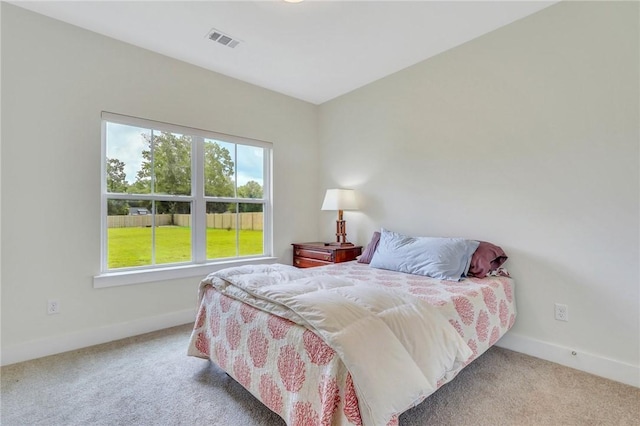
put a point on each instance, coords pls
(395, 346)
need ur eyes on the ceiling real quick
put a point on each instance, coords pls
(313, 50)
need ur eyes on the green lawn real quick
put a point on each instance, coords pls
(132, 246)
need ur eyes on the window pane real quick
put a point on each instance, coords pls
(250, 241)
(172, 232)
(221, 230)
(219, 168)
(250, 171)
(171, 163)
(152, 160)
(128, 233)
(126, 155)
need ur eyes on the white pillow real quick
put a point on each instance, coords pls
(441, 258)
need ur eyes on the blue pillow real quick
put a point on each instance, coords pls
(441, 258)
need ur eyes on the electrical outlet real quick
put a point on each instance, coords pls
(562, 312)
(53, 306)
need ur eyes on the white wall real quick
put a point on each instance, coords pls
(527, 137)
(56, 79)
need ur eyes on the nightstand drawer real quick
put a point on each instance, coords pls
(302, 262)
(308, 255)
(327, 256)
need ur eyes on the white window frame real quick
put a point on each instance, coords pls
(199, 265)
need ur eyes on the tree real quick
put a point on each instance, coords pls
(116, 183)
(116, 177)
(219, 170)
(171, 172)
(171, 166)
(251, 189)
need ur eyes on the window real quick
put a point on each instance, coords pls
(175, 196)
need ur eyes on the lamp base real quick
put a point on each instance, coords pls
(340, 244)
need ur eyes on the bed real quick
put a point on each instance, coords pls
(291, 369)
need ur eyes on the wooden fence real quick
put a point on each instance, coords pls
(133, 221)
(248, 221)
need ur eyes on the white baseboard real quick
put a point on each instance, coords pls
(94, 336)
(590, 363)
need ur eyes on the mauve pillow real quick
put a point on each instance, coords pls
(487, 257)
(367, 254)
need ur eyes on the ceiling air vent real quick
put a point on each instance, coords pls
(222, 38)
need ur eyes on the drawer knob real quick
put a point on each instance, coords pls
(297, 262)
(297, 252)
(327, 257)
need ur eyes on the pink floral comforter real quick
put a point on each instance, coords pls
(294, 373)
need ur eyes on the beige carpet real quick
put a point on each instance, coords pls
(148, 380)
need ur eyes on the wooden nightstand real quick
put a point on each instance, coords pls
(307, 255)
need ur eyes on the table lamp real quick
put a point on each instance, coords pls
(340, 199)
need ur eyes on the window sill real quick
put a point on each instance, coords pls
(114, 279)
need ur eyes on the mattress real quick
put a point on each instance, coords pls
(295, 374)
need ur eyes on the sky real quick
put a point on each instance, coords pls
(126, 143)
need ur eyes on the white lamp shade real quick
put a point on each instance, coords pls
(340, 199)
